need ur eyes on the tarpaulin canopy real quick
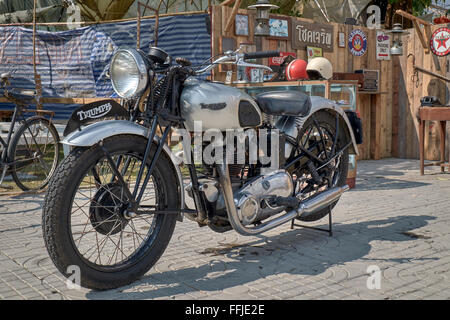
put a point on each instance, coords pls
(74, 63)
(20, 11)
(333, 10)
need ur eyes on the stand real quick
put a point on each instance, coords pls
(329, 230)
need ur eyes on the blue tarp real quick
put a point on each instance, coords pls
(73, 63)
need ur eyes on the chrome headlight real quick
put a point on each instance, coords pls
(128, 72)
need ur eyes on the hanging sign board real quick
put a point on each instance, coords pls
(383, 46)
(357, 42)
(440, 42)
(305, 34)
(276, 61)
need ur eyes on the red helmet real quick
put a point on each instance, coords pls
(296, 70)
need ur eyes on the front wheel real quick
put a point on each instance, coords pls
(84, 222)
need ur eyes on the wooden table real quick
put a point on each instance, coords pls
(441, 114)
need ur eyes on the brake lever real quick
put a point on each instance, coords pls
(242, 63)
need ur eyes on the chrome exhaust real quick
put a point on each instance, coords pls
(306, 208)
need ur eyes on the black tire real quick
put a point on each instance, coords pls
(327, 121)
(57, 212)
(34, 174)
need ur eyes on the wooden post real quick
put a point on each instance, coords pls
(421, 145)
(37, 77)
(236, 6)
(442, 142)
(138, 29)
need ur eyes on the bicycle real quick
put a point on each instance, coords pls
(31, 152)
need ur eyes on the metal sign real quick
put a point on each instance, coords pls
(276, 61)
(440, 42)
(357, 42)
(305, 34)
(383, 46)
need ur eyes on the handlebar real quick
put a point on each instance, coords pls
(261, 54)
(238, 58)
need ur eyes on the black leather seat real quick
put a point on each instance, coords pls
(290, 103)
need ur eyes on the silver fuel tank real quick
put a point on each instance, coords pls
(217, 106)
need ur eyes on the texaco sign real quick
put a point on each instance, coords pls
(440, 42)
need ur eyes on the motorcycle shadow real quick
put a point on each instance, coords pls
(301, 252)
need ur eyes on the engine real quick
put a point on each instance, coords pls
(253, 199)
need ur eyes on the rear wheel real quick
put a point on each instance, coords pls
(318, 135)
(84, 220)
(34, 150)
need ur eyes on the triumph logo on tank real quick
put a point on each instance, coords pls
(95, 113)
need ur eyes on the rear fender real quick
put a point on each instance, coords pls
(322, 104)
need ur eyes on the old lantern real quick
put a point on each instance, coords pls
(397, 44)
(263, 8)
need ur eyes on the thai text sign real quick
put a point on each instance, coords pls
(312, 34)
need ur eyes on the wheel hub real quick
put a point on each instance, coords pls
(107, 209)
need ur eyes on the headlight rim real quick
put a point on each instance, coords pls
(142, 69)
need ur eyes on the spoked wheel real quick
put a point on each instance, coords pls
(318, 135)
(35, 152)
(85, 216)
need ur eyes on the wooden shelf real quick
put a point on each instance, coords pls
(372, 92)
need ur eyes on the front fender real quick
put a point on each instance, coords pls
(96, 132)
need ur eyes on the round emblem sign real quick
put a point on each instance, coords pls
(357, 42)
(440, 42)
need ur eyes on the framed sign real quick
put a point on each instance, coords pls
(249, 75)
(341, 40)
(314, 52)
(383, 46)
(279, 27)
(305, 34)
(275, 62)
(357, 42)
(440, 42)
(241, 25)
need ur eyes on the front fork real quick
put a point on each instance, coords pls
(134, 198)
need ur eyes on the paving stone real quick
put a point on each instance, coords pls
(394, 219)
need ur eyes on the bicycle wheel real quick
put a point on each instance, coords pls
(35, 153)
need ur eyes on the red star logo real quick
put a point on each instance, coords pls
(442, 42)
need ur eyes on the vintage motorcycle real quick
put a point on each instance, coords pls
(113, 202)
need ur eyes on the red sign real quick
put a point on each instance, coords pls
(276, 61)
(440, 42)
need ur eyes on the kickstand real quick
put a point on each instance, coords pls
(329, 230)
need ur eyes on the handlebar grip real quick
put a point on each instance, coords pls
(261, 54)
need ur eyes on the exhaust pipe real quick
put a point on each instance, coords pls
(306, 208)
(320, 201)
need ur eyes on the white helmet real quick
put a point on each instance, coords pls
(319, 68)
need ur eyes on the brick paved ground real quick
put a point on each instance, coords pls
(394, 219)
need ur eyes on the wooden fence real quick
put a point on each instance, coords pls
(410, 86)
(390, 124)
